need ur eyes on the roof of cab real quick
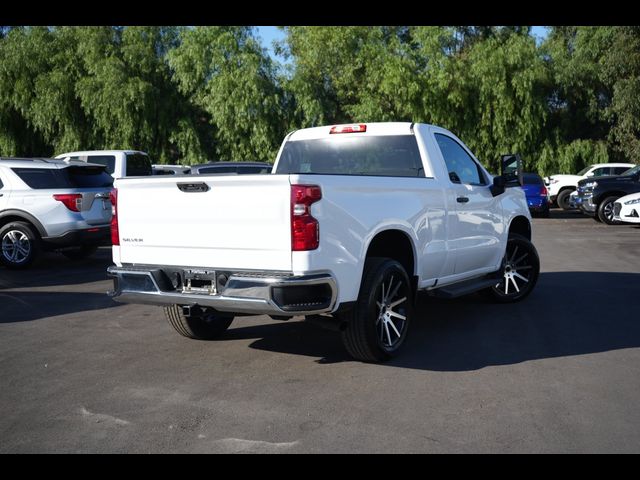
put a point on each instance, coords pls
(97, 152)
(375, 128)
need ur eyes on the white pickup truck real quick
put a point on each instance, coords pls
(119, 163)
(353, 221)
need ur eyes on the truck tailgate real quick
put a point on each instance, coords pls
(235, 222)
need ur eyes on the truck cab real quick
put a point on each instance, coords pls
(119, 163)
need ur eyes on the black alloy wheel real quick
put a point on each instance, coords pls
(520, 271)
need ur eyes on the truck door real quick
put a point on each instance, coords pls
(475, 235)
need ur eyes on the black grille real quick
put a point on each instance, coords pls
(616, 209)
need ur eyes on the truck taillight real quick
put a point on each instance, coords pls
(348, 128)
(115, 234)
(73, 201)
(305, 230)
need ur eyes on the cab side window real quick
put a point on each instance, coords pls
(600, 172)
(618, 170)
(461, 167)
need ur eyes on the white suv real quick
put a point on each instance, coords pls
(561, 186)
(48, 204)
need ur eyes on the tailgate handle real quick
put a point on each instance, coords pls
(193, 187)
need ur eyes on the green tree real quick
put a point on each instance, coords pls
(227, 74)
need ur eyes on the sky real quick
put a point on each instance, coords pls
(271, 34)
(268, 36)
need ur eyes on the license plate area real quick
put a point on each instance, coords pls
(200, 281)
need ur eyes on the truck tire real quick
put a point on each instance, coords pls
(563, 199)
(80, 252)
(520, 271)
(19, 245)
(377, 327)
(605, 211)
(206, 326)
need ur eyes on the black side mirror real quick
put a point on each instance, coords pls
(510, 174)
(511, 170)
(498, 186)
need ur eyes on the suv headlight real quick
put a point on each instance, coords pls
(592, 184)
(632, 202)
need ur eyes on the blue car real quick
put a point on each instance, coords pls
(537, 194)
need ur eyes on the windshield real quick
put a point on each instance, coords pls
(632, 170)
(584, 170)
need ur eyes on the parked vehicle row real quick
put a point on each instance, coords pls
(63, 204)
(596, 197)
(134, 163)
(597, 189)
(561, 186)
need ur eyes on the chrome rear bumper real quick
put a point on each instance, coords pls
(247, 293)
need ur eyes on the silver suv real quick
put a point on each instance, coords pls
(48, 204)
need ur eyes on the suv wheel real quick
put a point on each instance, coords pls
(520, 271)
(605, 211)
(20, 245)
(377, 327)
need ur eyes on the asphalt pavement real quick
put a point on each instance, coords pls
(556, 373)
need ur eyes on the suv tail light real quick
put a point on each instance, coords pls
(115, 234)
(305, 230)
(543, 191)
(73, 201)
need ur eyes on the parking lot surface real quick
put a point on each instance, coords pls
(558, 372)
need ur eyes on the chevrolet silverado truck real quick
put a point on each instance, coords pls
(352, 223)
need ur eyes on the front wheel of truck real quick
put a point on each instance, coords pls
(201, 324)
(519, 273)
(377, 327)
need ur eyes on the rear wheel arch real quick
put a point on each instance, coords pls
(9, 216)
(605, 195)
(520, 225)
(395, 244)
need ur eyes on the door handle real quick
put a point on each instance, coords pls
(462, 199)
(193, 187)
